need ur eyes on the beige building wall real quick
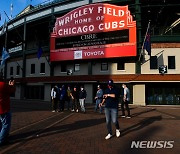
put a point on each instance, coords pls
(162, 55)
(96, 69)
(139, 94)
(83, 69)
(112, 69)
(129, 68)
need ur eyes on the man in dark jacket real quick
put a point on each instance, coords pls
(110, 98)
(82, 97)
(62, 96)
(75, 99)
(5, 115)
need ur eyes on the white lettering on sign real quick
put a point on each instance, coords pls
(95, 53)
(113, 25)
(80, 21)
(93, 19)
(111, 11)
(88, 36)
(76, 30)
(76, 14)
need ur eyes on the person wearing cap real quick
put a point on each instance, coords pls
(110, 98)
(82, 97)
(98, 98)
(125, 101)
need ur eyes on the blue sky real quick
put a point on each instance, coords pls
(18, 6)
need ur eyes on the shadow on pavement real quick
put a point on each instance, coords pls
(55, 130)
(139, 113)
(144, 123)
(147, 135)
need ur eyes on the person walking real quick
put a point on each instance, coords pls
(54, 98)
(125, 101)
(5, 114)
(82, 97)
(98, 98)
(75, 100)
(110, 98)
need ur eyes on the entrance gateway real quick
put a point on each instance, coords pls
(92, 32)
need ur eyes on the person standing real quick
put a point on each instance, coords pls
(98, 98)
(75, 99)
(62, 97)
(5, 114)
(82, 97)
(54, 98)
(68, 98)
(125, 101)
(110, 98)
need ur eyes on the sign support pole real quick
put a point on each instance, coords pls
(138, 21)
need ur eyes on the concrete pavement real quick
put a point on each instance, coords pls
(35, 129)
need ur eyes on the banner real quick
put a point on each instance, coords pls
(94, 31)
(5, 55)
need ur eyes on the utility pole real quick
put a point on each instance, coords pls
(24, 50)
(5, 45)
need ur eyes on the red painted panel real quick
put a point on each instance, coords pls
(93, 19)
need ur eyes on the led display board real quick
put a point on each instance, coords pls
(94, 31)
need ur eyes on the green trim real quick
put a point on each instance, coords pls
(165, 38)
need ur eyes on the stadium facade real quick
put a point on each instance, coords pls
(88, 42)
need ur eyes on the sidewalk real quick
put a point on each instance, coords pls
(35, 129)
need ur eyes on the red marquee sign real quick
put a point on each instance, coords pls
(94, 31)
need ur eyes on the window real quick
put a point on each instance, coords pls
(120, 66)
(171, 62)
(76, 67)
(42, 68)
(32, 68)
(104, 66)
(63, 68)
(153, 62)
(11, 70)
(18, 70)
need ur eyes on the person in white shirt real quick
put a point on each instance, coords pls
(54, 99)
(125, 101)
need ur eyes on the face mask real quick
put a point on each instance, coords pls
(82, 89)
(123, 86)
